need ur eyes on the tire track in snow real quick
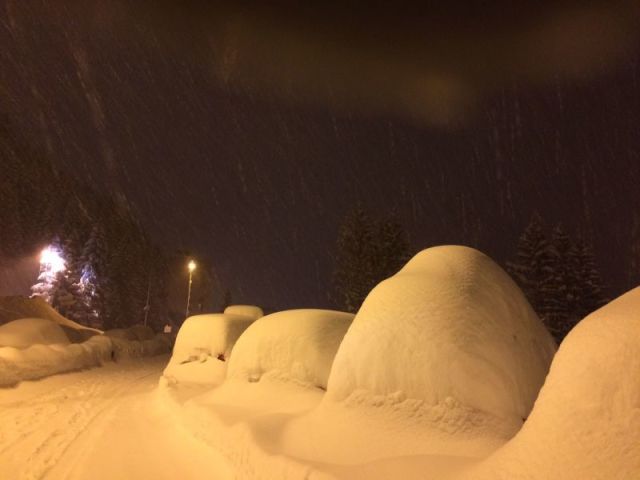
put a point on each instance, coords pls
(39, 429)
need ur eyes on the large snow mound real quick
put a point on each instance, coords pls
(14, 308)
(25, 332)
(586, 421)
(203, 345)
(38, 361)
(451, 329)
(294, 345)
(245, 310)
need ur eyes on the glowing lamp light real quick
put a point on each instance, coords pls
(192, 266)
(50, 257)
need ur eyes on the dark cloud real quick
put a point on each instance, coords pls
(243, 133)
(433, 61)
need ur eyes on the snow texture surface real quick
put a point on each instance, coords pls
(101, 424)
(16, 307)
(294, 345)
(203, 346)
(39, 361)
(586, 421)
(451, 328)
(25, 332)
(250, 311)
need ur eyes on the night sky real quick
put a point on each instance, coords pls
(245, 137)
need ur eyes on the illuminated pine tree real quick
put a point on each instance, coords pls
(52, 263)
(95, 279)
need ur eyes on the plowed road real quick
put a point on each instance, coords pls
(105, 423)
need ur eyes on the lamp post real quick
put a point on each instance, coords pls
(191, 267)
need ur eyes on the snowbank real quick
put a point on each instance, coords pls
(142, 332)
(586, 421)
(135, 332)
(136, 342)
(294, 345)
(13, 308)
(250, 311)
(452, 332)
(32, 348)
(25, 332)
(121, 334)
(224, 418)
(128, 349)
(202, 347)
(38, 361)
(78, 335)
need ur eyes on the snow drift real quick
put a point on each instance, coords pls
(294, 345)
(33, 348)
(38, 360)
(586, 421)
(203, 345)
(14, 308)
(137, 341)
(25, 332)
(450, 330)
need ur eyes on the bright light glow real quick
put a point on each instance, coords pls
(50, 258)
(192, 266)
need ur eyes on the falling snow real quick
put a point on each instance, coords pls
(256, 182)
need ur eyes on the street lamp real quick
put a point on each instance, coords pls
(191, 267)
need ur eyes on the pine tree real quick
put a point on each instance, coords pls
(391, 251)
(64, 298)
(558, 288)
(354, 260)
(575, 288)
(95, 280)
(40, 202)
(368, 251)
(590, 292)
(73, 304)
(532, 264)
(559, 278)
(51, 264)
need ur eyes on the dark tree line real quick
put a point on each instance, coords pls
(368, 250)
(559, 276)
(108, 255)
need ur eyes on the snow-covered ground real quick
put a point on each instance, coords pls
(100, 424)
(445, 373)
(586, 420)
(438, 377)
